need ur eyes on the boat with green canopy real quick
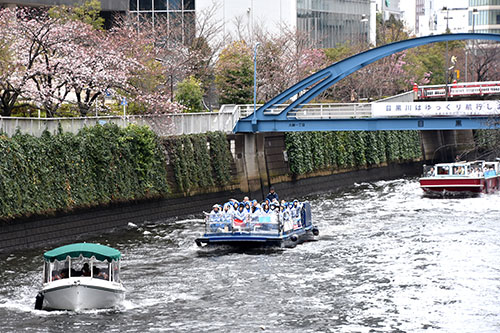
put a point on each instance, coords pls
(81, 276)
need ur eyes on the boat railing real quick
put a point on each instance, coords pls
(78, 267)
(459, 169)
(251, 224)
(274, 224)
(277, 223)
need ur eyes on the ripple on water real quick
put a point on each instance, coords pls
(387, 260)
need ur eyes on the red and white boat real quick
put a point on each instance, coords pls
(460, 178)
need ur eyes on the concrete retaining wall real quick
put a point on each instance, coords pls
(37, 232)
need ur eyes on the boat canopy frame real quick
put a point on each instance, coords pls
(87, 250)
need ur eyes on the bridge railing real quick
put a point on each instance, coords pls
(185, 123)
(164, 125)
(332, 111)
(313, 111)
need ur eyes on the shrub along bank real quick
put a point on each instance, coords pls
(313, 151)
(99, 165)
(102, 165)
(199, 160)
(106, 164)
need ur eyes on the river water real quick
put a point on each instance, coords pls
(387, 260)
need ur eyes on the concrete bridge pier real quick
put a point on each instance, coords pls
(445, 145)
(251, 164)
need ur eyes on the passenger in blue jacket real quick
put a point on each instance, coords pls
(272, 195)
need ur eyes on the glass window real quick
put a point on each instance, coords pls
(189, 4)
(160, 4)
(133, 5)
(115, 273)
(161, 18)
(189, 27)
(145, 17)
(145, 4)
(443, 170)
(175, 5)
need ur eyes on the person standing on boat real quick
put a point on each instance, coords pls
(215, 217)
(85, 270)
(240, 216)
(255, 209)
(248, 207)
(272, 195)
(227, 216)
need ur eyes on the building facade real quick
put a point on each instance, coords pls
(434, 17)
(106, 5)
(327, 22)
(484, 16)
(389, 8)
(179, 13)
(109, 8)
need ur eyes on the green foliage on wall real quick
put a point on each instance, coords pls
(487, 140)
(220, 156)
(99, 165)
(312, 151)
(200, 160)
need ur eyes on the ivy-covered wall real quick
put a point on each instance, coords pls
(312, 151)
(487, 141)
(199, 160)
(99, 165)
(105, 164)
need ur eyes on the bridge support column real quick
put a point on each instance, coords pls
(465, 144)
(434, 146)
(251, 164)
(444, 146)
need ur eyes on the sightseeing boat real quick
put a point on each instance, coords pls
(261, 231)
(460, 178)
(81, 276)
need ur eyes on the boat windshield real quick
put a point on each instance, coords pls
(429, 171)
(81, 267)
(279, 221)
(443, 170)
(460, 170)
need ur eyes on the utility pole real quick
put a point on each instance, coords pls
(447, 60)
(255, 80)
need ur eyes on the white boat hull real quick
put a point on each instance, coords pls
(82, 293)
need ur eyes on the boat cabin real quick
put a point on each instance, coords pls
(94, 261)
(459, 169)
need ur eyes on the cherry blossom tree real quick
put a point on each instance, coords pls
(484, 61)
(19, 55)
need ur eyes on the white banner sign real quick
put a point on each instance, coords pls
(429, 109)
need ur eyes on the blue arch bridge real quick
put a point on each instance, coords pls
(274, 116)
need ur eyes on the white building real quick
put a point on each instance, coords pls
(388, 8)
(484, 16)
(327, 22)
(408, 15)
(434, 16)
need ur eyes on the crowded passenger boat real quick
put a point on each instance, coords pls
(252, 224)
(81, 276)
(460, 178)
